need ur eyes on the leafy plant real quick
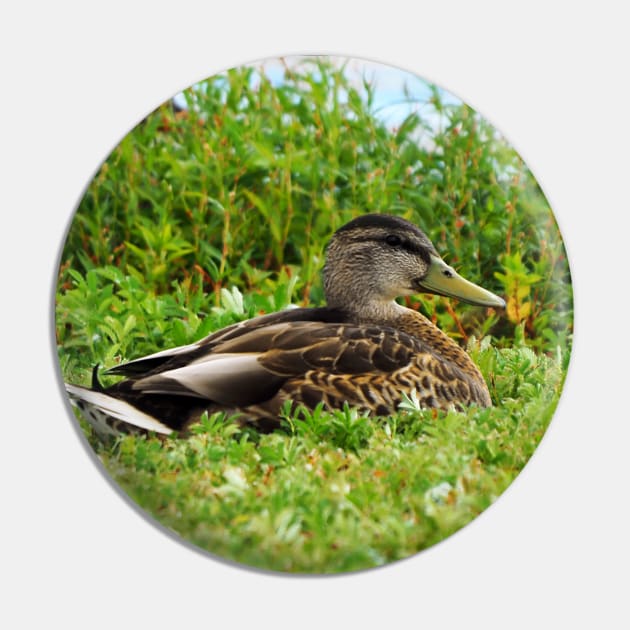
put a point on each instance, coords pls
(246, 186)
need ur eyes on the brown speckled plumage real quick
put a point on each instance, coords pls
(363, 348)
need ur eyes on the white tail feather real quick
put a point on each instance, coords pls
(114, 408)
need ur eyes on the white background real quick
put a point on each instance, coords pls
(553, 551)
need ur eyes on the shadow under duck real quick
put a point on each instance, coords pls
(363, 348)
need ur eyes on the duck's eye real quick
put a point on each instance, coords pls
(393, 240)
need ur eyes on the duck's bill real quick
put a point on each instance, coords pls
(444, 280)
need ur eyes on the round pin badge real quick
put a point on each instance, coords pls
(313, 314)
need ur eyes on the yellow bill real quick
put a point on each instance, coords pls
(444, 280)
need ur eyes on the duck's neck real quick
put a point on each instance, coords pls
(381, 313)
(414, 323)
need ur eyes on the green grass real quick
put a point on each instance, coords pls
(342, 491)
(331, 491)
(207, 217)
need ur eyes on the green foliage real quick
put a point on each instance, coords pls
(340, 491)
(250, 182)
(219, 213)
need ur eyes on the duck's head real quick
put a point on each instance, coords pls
(376, 258)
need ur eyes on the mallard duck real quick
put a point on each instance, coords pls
(363, 348)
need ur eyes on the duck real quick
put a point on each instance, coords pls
(362, 348)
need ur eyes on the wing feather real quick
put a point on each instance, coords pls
(183, 355)
(227, 379)
(248, 363)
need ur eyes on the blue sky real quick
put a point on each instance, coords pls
(390, 102)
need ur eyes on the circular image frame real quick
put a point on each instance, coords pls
(217, 208)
